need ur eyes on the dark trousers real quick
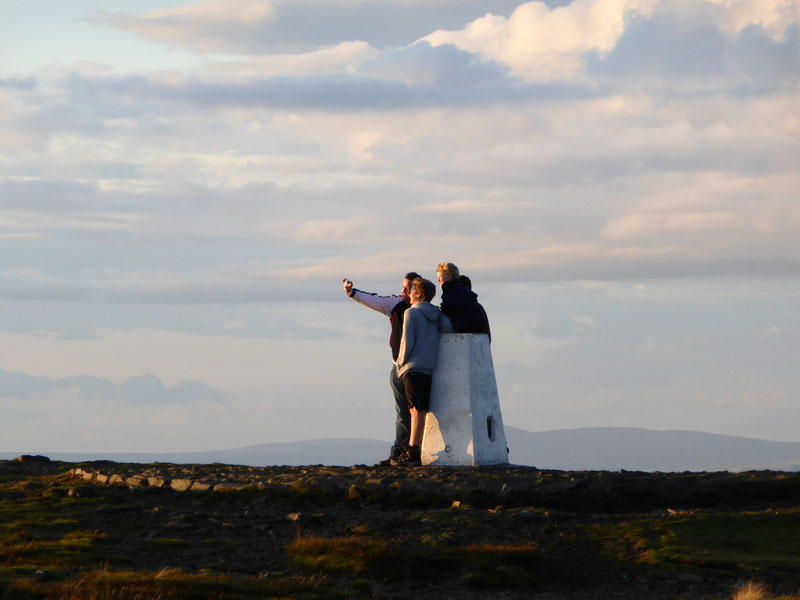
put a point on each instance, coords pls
(402, 429)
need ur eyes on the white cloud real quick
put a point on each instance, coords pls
(465, 206)
(243, 12)
(774, 16)
(538, 42)
(344, 57)
(296, 25)
(643, 224)
(541, 43)
(339, 230)
(205, 20)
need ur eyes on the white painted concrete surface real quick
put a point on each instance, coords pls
(464, 425)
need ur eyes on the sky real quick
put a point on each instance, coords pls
(183, 186)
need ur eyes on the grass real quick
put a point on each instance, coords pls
(502, 566)
(64, 539)
(482, 566)
(350, 554)
(749, 541)
(751, 591)
(170, 584)
(757, 591)
(50, 551)
(72, 548)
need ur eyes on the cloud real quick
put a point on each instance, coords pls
(242, 12)
(773, 16)
(14, 384)
(22, 84)
(442, 66)
(344, 57)
(315, 230)
(200, 26)
(143, 388)
(644, 225)
(241, 285)
(263, 177)
(149, 389)
(432, 86)
(674, 49)
(729, 41)
(540, 43)
(251, 27)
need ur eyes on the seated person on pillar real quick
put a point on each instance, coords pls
(460, 303)
(483, 320)
(416, 361)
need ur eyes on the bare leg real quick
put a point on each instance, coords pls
(417, 426)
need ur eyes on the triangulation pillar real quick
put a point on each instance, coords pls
(464, 425)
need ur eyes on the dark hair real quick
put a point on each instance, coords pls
(465, 281)
(411, 276)
(428, 288)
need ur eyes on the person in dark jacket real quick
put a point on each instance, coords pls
(460, 303)
(394, 307)
(483, 327)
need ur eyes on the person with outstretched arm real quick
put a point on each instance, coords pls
(394, 307)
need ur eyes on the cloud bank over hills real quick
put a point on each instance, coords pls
(141, 388)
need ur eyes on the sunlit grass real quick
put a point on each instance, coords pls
(481, 565)
(757, 591)
(170, 584)
(746, 541)
(351, 554)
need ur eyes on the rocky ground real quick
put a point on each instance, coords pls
(389, 532)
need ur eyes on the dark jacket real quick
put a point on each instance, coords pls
(461, 305)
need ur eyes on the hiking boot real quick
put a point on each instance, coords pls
(409, 458)
(393, 455)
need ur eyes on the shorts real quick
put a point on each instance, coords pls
(418, 389)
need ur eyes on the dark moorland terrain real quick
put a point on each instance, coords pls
(104, 530)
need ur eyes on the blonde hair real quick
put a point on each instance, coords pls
(448, 270)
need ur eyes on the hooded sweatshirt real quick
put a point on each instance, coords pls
(419, 347)
(460, 304)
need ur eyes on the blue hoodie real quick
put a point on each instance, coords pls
(419, 348)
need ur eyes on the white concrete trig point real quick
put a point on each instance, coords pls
(464, 425)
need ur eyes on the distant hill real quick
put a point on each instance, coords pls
(613, 448)
(336, 451)
(601, 448)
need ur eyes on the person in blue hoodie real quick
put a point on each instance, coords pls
(416, 360)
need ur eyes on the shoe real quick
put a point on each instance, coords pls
(409, 458)
(393, 455)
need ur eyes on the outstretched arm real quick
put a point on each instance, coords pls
(382, 304)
